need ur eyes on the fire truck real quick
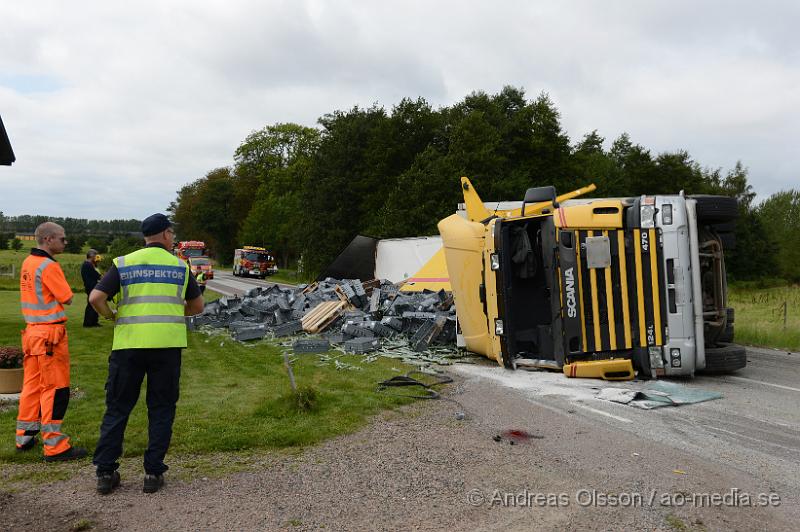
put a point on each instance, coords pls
(253, 261)
(194, 252)
(190, 249)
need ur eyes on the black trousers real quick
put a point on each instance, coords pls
(90, 317)
(126, 370)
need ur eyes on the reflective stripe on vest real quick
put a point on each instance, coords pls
(40, 304)
(151, 305)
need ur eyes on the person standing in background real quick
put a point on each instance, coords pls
(90, 276)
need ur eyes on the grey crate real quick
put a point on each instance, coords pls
(378, 328)
(393, 322)
(358, 287)
(355, 316)
(356, 330)
(288, 328)
(283, 303)
(299, 303)
(362, 345)
(337, 338)
(311, 345)
(251, 333)
(425, 335)
(419, 315)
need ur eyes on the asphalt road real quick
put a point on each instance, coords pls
(228, 285)
(753, 429)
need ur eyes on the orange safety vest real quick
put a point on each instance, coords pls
(43, 288)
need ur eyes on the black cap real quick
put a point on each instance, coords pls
(154, 224)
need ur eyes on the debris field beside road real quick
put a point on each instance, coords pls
(373, 318)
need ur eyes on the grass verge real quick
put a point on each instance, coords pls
(759, 316)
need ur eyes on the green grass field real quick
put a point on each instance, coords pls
(234, 397)
(70, 263)
(759, 316)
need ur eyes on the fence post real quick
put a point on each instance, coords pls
(785, 312)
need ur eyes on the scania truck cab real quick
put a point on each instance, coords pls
(608, 286)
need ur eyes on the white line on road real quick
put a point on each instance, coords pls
(745, 379)
(751, 438)
(590, 409)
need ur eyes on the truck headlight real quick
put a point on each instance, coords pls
(494, 261)
(666, 214)
(498, 327)
(675, 357)
(647, 216)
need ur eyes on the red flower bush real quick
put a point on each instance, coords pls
(10, 357)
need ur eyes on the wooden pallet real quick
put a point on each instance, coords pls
(310, 288)
(322, 316)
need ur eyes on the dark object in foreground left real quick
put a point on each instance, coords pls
(6, 153)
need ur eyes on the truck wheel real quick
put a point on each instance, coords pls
(725, 358)
(716, 209)
(727, 227)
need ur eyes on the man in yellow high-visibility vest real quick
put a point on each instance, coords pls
(156, 290)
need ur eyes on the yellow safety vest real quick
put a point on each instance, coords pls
(151, 300)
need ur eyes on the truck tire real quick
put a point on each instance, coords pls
(728, 227)
(716, 209)
(725, 358)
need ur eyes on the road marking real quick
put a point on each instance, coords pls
(758, 440)
(221, 288)
(782, 387)
(602, 413)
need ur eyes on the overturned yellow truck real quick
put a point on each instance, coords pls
(595, 287)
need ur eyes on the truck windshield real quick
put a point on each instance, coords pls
(192, 252)
(255, 257)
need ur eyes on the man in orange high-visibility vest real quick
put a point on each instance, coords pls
(45, 390)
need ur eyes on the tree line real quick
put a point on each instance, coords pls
(28, 223)
(306, 192)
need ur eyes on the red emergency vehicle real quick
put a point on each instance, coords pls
(253, 261)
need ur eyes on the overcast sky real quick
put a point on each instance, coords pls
(112, 106)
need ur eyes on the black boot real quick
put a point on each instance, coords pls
(152, 483)
(106, 482)
(73, 453)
